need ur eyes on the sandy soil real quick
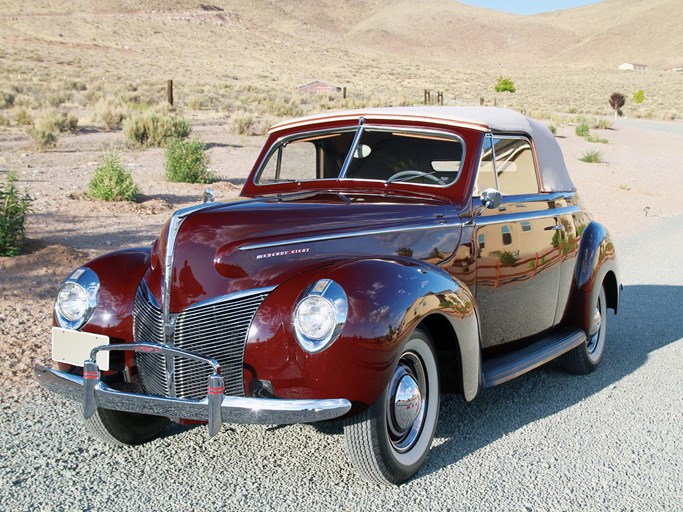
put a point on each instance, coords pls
(629, 192)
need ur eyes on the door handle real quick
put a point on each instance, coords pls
(556, 227)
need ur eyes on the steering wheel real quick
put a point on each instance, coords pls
(413, 173)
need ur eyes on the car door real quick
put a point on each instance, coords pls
(517, 260)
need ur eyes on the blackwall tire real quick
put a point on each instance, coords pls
(124, 428)
(586, 357)
(388, 442)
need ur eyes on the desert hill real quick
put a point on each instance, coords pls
(395, 47)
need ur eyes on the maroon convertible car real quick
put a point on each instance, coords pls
(376, 259)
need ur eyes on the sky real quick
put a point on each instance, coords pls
(528, 6)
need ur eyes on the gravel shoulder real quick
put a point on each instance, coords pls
(608, 441)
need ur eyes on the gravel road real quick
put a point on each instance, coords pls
(608, 441)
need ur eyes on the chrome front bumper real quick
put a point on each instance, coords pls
(215, 408)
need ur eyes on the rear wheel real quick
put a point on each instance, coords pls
(586, 357)
(125, 428)
(388, 442)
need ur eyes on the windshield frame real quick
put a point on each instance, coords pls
(359, 129)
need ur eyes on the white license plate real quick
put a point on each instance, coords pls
(73, 347)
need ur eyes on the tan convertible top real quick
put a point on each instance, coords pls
(553, 170)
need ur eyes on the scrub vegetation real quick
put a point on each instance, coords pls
(187, 162)
(111, 182)
(154, 130)
(14, 205)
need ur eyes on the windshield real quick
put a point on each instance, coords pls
(379, 153)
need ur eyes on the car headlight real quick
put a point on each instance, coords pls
(77, 298)
(320, 315)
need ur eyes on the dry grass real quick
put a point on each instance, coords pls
(233, 62)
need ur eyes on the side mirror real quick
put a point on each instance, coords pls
(491, 198)
(210, 197)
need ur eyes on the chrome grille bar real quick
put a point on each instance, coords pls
(217, 329)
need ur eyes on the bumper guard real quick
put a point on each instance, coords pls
(215, 408)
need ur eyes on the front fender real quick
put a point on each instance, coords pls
(387, 298)
(120, 273)
(596, 266)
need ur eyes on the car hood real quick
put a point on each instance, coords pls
(257, 243)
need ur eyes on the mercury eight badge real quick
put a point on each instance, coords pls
(376, 260)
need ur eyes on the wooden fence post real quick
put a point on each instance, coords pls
(169, 92)
(344, 93)
(439, 98)
(481, 101)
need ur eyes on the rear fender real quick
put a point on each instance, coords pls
(387, 299)
(596, 266)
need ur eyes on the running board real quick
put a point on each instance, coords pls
(506, 367)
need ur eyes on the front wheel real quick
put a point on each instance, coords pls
(124, 428)
(388, 442)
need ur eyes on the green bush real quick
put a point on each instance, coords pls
(4, 121)
(507, 258)
(152, 130)
(111, 182)
(13, 209)
(505, 85)
(583, 130)
(187, 162)
(639, 96)
(591, 157)
(552, 128)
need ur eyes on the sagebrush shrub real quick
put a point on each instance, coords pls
(7, 100)
(242, 123)
(111, 182)
(13, 209)
(22, 117)
(187, 162)
(152, 130)
(110, 113)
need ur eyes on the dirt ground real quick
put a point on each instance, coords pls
(628, 193)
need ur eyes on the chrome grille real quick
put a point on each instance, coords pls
(218, 329)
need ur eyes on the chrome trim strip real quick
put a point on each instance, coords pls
(167, 318)
(517, 217)
(268, 411)
(231, 296)
(348, 234)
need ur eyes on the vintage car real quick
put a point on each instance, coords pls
(376, 259)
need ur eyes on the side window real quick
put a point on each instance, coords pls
(293, 161)
(515, 167)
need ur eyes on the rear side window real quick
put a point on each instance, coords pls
(507, 164)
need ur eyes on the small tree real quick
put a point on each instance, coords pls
(505, 85)
(639, 97)
(616, 101)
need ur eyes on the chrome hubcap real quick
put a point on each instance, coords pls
(594, 335)
(406, 404)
